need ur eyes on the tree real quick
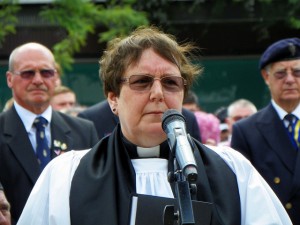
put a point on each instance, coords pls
(8, 19)
(79, 18)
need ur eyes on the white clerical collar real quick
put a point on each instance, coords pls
(148, 152)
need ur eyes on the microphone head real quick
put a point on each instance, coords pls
(170, 116)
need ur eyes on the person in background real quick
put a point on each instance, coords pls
(191, 102)
(207, 122)
(144, 75)
(103, 118)
(63, 99)
(8, 104)
(237, 110)
(221, 114)
(4, 208)
(265, 138)
(31, 132)
(58, 69)
(74, 111)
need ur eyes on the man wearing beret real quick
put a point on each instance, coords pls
(270, 138)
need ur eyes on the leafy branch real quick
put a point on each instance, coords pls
(8, 19)
(79, 18)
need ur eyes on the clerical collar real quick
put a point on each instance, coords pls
(136, 152)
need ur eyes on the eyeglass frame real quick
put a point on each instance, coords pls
(21, 73)
(282, 73)
(127, 80)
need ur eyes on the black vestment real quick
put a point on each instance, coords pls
(105, 180)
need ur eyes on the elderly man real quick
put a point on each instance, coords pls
(237, 110)
(270, 137)
(31, 132)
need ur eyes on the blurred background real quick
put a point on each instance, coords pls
(230, 33)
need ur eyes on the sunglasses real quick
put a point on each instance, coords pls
(145, 82)
(29, 74)
(283, 73)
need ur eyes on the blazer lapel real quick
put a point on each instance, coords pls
(60, 135)
(20, 144)
(296, 180)
(273, 130)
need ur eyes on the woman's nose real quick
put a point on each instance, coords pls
(156, 92)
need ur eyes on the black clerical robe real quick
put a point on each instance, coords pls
(104, 182)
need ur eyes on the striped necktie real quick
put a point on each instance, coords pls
(293, 129)
(42, 148)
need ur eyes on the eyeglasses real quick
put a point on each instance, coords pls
(144, 82)
(29, 74)
(283, 73)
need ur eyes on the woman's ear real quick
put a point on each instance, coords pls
(113, 102)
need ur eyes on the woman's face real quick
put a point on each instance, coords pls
(140, 112)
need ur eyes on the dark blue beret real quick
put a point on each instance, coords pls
(285, 49)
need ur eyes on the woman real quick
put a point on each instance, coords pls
(144, 75)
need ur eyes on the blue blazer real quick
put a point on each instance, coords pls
(19, 168)
(105, 121)
(263, 139)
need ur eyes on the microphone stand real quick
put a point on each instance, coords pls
(183, 190)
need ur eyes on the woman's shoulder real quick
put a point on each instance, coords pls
(65, 161)
(232, 158)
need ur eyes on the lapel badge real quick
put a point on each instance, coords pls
(59, 147)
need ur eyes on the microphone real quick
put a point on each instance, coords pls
(173, 123)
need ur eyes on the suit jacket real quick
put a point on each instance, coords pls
(19, 168)
(263, 139)
(105, 121)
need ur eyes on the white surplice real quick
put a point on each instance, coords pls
(48, 203)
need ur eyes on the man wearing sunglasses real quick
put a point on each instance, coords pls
(26, 147)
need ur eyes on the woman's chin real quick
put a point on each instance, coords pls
(155, 129)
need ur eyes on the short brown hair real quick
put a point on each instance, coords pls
(61, 90)
(123, 52)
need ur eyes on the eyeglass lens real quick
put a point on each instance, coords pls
(283, 73)
(29, 74)
(145, 82)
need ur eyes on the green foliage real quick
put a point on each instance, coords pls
(264, 14)
(79, 18)
(295, 22)
(287, 14)
(293, 15)
(8, 19)
(120, 21)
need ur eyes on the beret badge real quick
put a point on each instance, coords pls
(292, 49)
(282, 50)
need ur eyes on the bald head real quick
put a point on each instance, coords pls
(17, 53)
(32, 76)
